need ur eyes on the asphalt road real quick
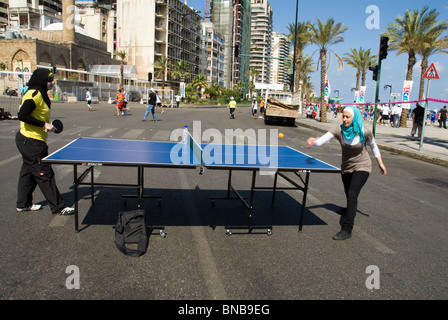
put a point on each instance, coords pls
(398, 250)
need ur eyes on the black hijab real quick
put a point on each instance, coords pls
(39, 80)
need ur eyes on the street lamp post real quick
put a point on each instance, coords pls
(295, 47)
(390, 87)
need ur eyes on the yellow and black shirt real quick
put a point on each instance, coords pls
(33, 114)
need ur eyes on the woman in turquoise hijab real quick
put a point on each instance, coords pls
(353, 127)
(356, 164)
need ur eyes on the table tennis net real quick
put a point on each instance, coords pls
(196, 149)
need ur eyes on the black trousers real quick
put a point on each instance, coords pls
(353, 183)
(36, 173)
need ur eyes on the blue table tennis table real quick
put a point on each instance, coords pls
(280, 160)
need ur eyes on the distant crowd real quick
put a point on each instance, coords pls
(387, 114)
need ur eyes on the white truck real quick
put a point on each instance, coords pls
(279, 112)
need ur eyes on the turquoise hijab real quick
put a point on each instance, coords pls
(356, 127)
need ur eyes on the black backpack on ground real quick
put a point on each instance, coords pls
(131, 228)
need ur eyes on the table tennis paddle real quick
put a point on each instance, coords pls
(58, 125)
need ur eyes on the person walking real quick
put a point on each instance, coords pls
(159, 102)
(89, 99)
(397, 115)
(119, 101)
(417, 116)
(125, 102)
(31, 141)
(262, 103)
(356, 164)
(442, 117)
(385, 115)
(152, 100)
(254, 108)
(232, 107)
(178, 98)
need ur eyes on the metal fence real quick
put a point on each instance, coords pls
(103, 87)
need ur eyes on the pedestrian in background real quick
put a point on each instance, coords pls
(178, 98)
(262, 103)
(254, 108)
(442, 117)
(417, 116)
(356, 164)
(152, 100)
(159, 102)
(119, 101)
(89, 99)
(232, 107)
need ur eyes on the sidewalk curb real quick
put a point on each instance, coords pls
(414, 155)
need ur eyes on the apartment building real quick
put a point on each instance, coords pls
(33, 14)
(98, 19)
(231, 19)
(280, 67)
(148, 30)
(214, 47)
(3, 13)
(261, 37)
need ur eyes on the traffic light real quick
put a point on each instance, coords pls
(374, 69)
(383, 47)
(53, 70)
(149, 76)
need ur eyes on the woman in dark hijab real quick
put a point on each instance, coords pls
(31, 140)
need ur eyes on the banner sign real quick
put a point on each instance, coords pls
(182, 89)
(362, 94)
(407, 87)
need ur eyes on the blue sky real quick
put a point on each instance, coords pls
(352, 13)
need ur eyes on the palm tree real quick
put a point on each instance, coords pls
(238, 88)
(190, 93)
(361, 60)
(303, 39)
(368, 60)
(162, 67)
(214, 91)
(324, 35)
(406, 36)
(199, 83)
(181, 68)
(253, 72)
(307, 88)
(306, 66)
(353, 59)
(433, 44)
(122, 55)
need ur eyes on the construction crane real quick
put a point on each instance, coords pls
(207, 13)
